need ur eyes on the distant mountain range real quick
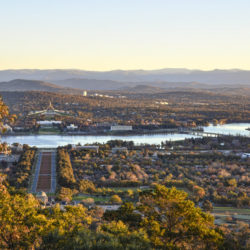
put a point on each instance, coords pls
(234, 76)
(137, 81)
(94, 84)
(130, 88)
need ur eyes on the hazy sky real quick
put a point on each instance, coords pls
(124, 34)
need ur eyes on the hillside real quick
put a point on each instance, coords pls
(94, 84)
(32, 85)
(90, 84)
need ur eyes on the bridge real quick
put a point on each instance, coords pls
(201, 133)
(207, 134)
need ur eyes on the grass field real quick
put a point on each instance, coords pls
(45, 131)
(116, 189)
(223, 215)
(96, 198)
(231, 210)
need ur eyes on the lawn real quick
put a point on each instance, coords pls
(223, 214)
(231, 210)
(116, 189)
(45, 131)
(96, 198)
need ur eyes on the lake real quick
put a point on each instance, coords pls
(50, 141)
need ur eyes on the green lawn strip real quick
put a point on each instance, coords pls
(231, 210)
(116, 189)
(49, 131)
(96, 198)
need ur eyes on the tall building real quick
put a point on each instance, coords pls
(84, 93)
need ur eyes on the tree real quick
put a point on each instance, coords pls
(86, 186)
(4, 115)
(232, 182)
(125, 238)
(199, 192)
(65, 194)
(65, 171)
(64, 226)
(115, 199)
(88, 201)
(173, 221)
(21, 225)
(125, 213)
(207, 206)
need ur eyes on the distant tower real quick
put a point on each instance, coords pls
(84, 93)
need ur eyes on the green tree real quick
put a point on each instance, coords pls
(232, 182)
(125, 213)
(86, 186)
(172, 220)
(21, 224)
(207, 206)
(65, 194)
(115, 199)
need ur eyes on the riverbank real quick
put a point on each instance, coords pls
(55, 140)
(101, 133)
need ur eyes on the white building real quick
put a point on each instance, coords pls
(46, 124)
(85, 93)
(72, 127)
(121, 128)
(49, 111)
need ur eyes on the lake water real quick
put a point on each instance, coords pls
(47, 141)
(232, 129)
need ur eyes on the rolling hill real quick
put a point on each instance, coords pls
(33, 85)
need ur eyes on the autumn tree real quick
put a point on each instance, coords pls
(86, 186)
(115, 199)
(21, 225)
(207, 206)
(172, 220)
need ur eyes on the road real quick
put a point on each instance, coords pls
(44, 178)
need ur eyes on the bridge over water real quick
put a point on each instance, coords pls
(207, 134)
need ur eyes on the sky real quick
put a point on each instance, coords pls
(124, 34)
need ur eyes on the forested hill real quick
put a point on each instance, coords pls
(33, 85)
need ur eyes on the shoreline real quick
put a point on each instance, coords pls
(98, 133)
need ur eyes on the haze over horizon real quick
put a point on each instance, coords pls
(129, 35)
(134, 69)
